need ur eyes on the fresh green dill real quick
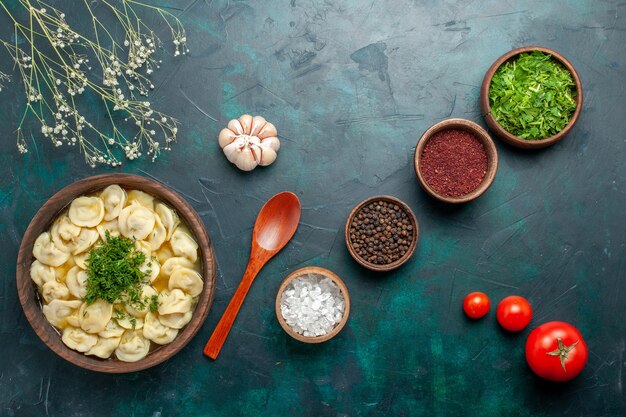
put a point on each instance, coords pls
(118, 314)
(154, 303)
(532, 97)
(133, 322)
(114, 273)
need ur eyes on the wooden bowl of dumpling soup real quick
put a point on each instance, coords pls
(41, 283)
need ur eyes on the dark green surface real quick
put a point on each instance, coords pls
(351, 85)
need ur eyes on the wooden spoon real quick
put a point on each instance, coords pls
(275, 225)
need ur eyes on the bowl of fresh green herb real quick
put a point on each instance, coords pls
(531, 97)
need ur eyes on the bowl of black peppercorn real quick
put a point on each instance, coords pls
(381, 233)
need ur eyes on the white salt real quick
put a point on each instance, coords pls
(312, 305)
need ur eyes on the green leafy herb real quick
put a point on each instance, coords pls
(118, 314)
(154, 303)
(532, 97)
(113, 272)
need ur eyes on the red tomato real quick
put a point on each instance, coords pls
(556, 351)
(476, 304)
(514, 313)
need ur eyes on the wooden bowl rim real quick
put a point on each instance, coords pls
(499, 130)
(481, 134)
(318, 271)
(407, 255)
(41, 222)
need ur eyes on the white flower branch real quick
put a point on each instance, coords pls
(54, 80)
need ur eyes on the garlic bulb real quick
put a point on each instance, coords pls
(249, 141)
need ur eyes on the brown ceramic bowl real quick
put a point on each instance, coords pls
(28, 292)
(412, 246)
(318, 271)
(478, 132)
(499, 130)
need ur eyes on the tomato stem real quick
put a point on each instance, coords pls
(562, 351)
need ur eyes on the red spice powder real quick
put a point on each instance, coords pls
(453, 163)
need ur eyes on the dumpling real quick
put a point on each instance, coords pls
(76, 281)
(72, 319)
(133, 347)
(104, 347)
(85, 240)
(64, 233)
(111, 227)
(78, 340)
(136, 222)
(184, 245)
(187, 280)
(54, 290)
(154, 330)
(174, 263)
(169, 218)
(164, 253)
(174, 301)
(144, 247)
(94, 317)
(139, 197)
(57, 311)
(86, 211)
(157, 236)
(151, 267)
(147, 292)
(175, 320)
(112, 330)
(81, 259)
(47, 252)
(130, 322)
(41, 273)
(114, 198)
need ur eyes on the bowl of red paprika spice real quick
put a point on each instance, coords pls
(455, 161)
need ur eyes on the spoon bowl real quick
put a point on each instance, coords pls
(275, 225)
(277, 222)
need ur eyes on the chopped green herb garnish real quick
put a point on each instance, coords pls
(113, 272)
(133, 322)
(154, 303)
(118, 314)
(532, 97)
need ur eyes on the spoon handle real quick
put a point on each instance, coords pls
(214, 345)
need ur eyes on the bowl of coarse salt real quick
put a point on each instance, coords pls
(312, 304)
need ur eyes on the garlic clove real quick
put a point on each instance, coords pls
(235, 126)
(231, 151)
(226, 137)
(267, 131)
(244, 157)
(247, 158)
(246, 123)
(271, 142)
(257, 153)
(258, 122)
(268, 155)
